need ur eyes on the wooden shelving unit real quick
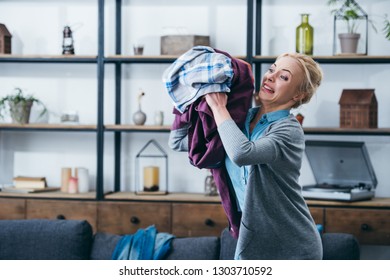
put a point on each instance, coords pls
(253, 55)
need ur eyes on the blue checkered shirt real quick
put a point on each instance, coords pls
(195, 73)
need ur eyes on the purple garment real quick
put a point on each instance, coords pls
(205, 149)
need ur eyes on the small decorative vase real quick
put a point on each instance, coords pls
(304, 36)
(139, 117)
(159, 118)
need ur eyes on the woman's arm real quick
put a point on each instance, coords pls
(284, 140)
(178, 139)
(217, 102)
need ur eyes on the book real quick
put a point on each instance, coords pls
(30, 182)
(28, 190)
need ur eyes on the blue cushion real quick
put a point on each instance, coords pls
(45, 239)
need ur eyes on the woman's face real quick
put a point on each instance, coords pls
(280, 86)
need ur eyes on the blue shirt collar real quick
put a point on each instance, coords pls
(270, 117)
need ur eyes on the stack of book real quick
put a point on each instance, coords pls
(24, 184)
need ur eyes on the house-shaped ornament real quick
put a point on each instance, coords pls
(5, 40)
(358, 108)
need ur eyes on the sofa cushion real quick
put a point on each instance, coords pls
(340, 246)
(189, 248)
(228, 245)
(45, 239)
(194, 248)
(104, 245)
(336, 246)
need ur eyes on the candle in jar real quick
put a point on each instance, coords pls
(151, 178)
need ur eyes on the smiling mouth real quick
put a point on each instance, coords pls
(268, 89)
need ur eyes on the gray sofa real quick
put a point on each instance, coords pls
(74, 240)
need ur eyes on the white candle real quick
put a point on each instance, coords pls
(83, 179)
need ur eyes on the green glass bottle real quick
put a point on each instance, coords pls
(304, 36)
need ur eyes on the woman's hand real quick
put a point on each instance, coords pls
(217, 102)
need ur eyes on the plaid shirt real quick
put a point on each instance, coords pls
(195, 73)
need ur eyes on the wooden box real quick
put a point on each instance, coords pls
(179, 44)
(5, 40)
(358, 108)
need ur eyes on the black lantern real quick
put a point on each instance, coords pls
(351, 27)
(67, 42)
(151, 170)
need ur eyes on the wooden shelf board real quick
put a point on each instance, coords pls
(28, 56)
(129, 127)
(381, 202)
(338, 130)
(199, 197)
(54, 195)
(48, 126)
(333, 59)
(171, 197)
(48, 58)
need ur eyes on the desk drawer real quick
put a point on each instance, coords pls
(370, 227)
(12, 209)
(128, 217)
(198, 219)
(61, 209)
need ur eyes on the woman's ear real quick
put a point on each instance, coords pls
(299, 96)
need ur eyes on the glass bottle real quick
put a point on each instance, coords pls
(304, 36)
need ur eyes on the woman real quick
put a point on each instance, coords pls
(264, 160)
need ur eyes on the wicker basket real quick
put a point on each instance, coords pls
(358, 108)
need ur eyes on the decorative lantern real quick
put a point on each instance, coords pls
(67, 43)
(350, 25)
(151, 170)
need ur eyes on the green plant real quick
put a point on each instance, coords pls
(350, 12)
(18, 99)
(386, 28)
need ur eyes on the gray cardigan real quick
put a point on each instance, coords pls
(276, 222)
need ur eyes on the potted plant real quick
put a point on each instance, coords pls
(19, 106)
(386, 27)
(351, 13)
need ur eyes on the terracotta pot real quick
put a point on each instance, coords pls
(349, 42)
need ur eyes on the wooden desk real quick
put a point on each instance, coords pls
(368, 221)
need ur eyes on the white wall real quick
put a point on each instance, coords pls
(66, 87)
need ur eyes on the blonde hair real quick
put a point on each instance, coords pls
(312, 75)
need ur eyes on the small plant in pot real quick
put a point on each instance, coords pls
(19, 106)
(353, 15)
